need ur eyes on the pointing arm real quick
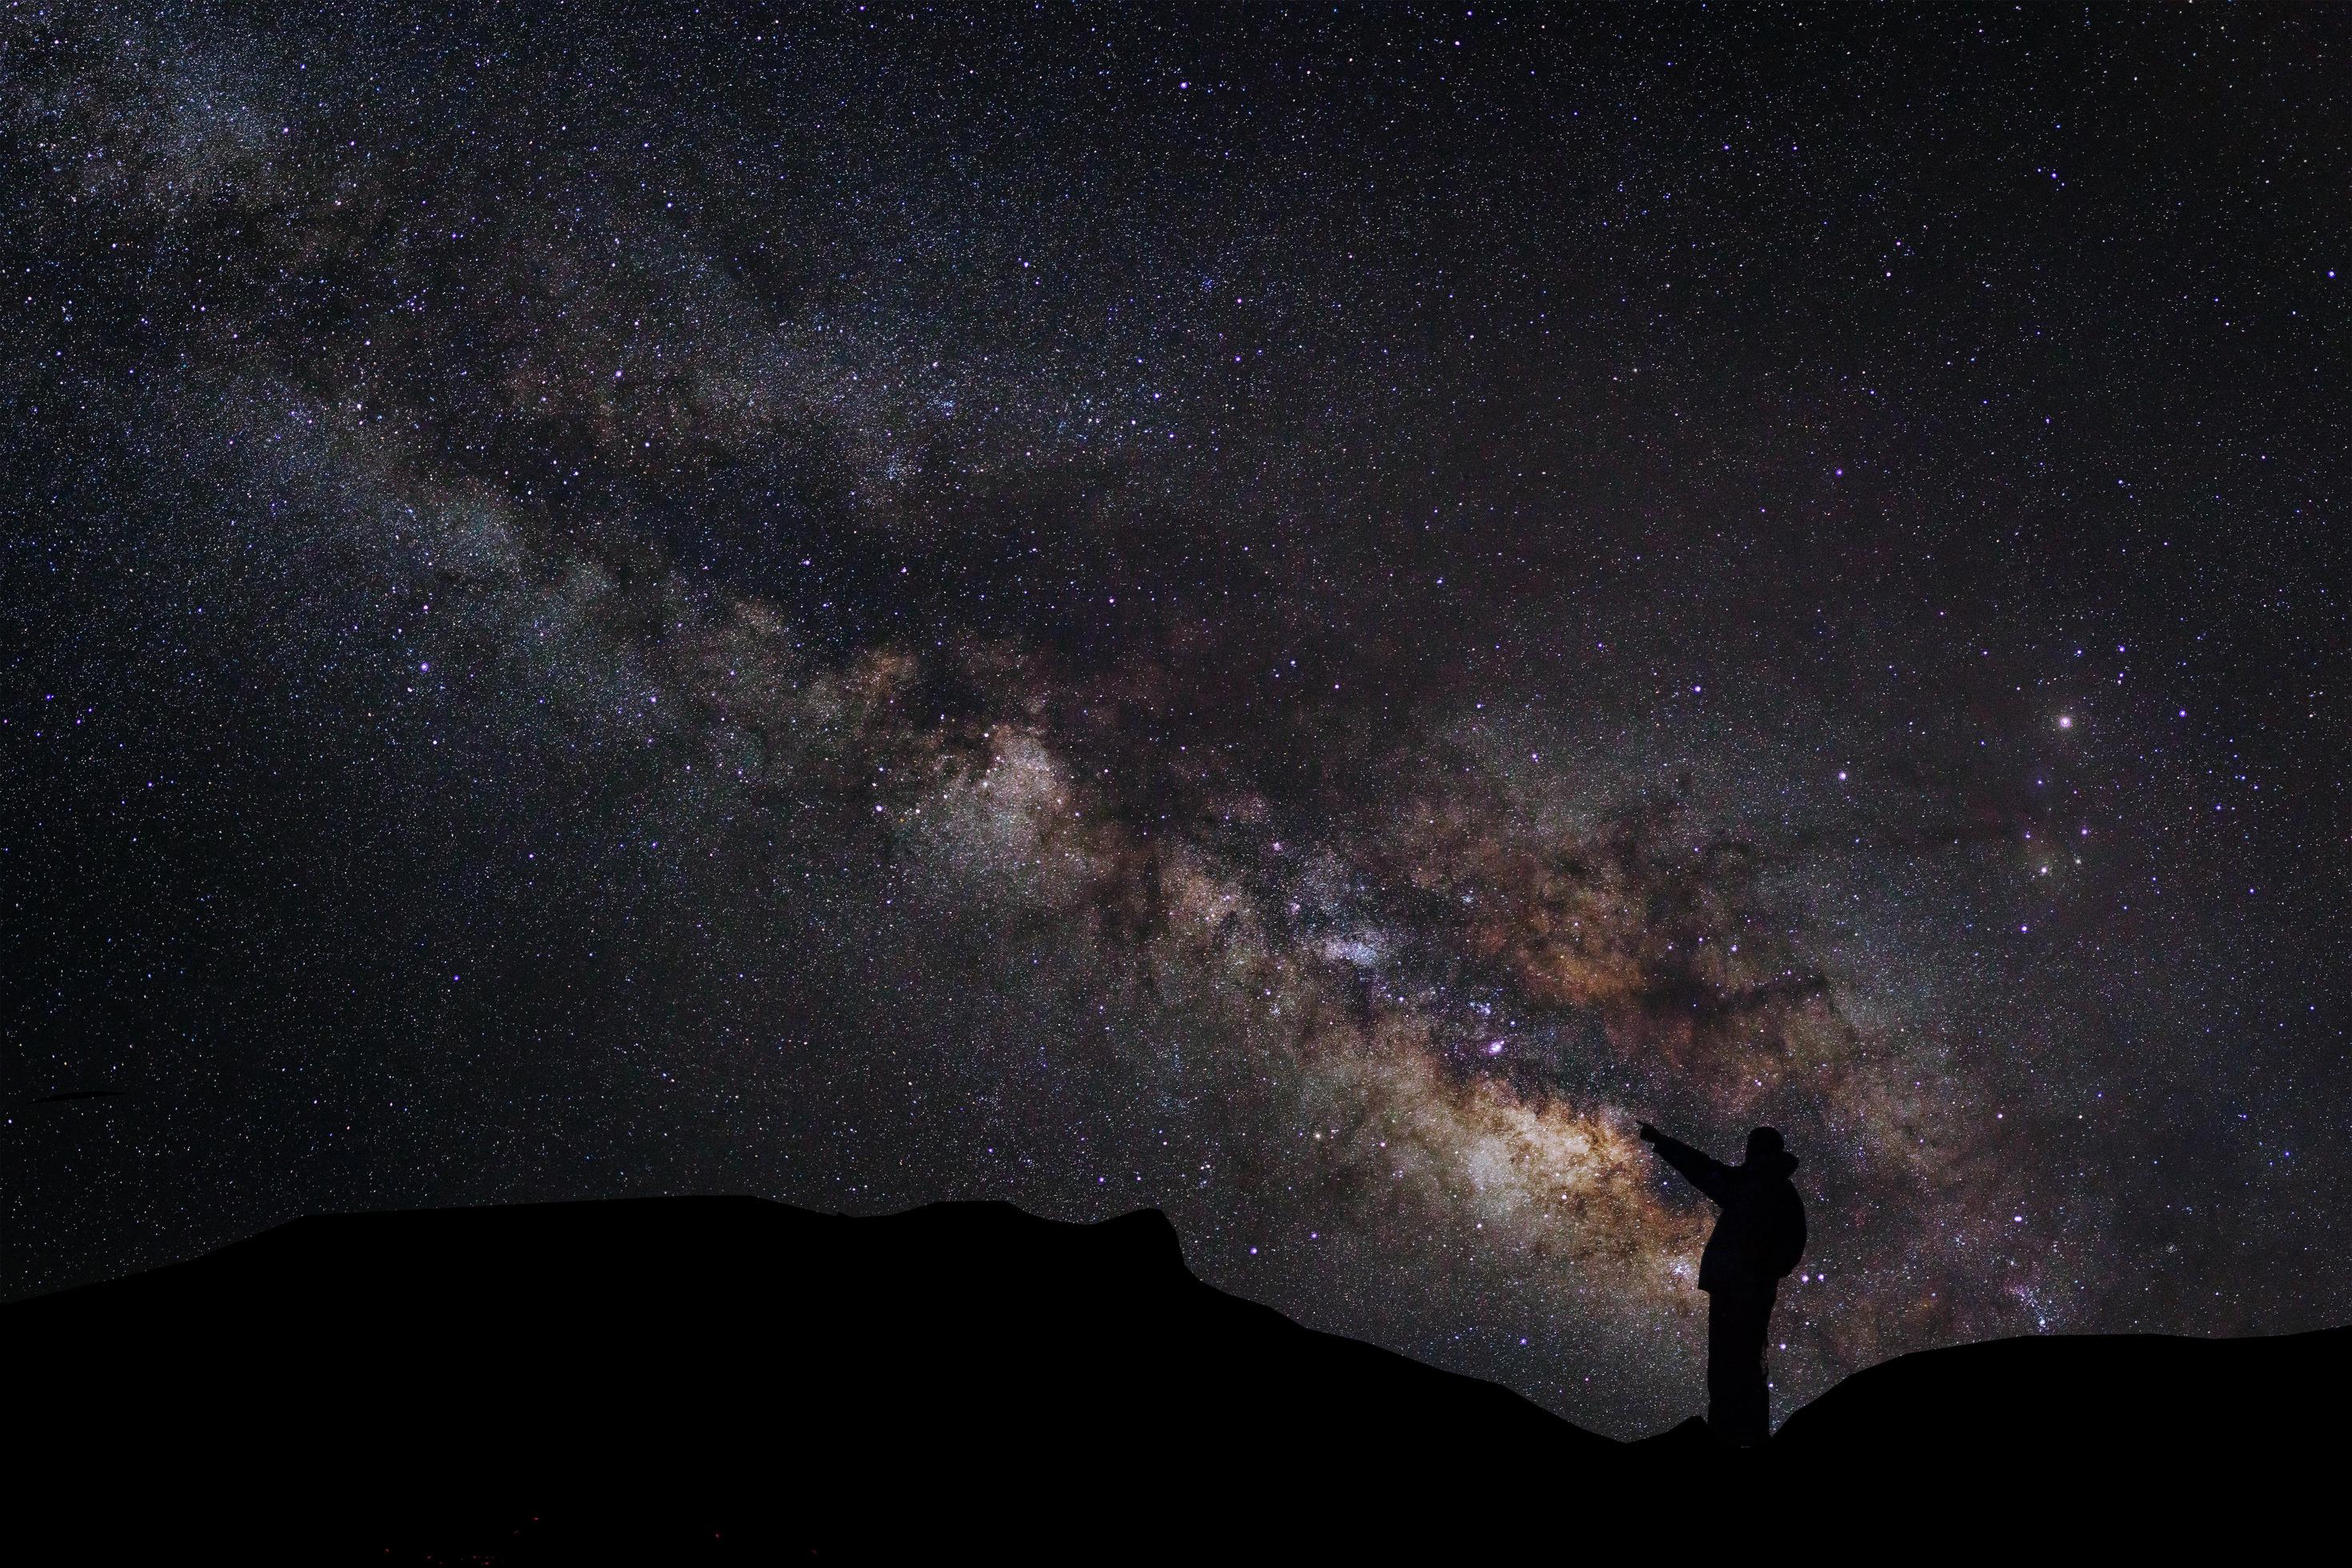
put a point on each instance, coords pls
(1709, 1175)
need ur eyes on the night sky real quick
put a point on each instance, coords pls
(1293, 619)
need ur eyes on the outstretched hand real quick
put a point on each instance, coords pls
(1649, 1133)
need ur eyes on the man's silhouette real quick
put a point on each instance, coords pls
(1756, 1241)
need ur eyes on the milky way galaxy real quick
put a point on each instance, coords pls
(1297, 619)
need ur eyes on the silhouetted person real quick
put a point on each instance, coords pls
(1756, 1241)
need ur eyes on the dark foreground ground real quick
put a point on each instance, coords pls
(725, 1379)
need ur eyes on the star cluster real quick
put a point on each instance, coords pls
(1295, 617)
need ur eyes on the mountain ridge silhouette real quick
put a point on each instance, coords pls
(671, 1379)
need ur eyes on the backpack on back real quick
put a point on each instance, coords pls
(1784, 1230)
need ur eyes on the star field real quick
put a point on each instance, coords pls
(1293, 618)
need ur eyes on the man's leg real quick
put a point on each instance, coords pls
(1738, 1406)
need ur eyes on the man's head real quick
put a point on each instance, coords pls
(1765, 1148)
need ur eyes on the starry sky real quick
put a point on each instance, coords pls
(1295, 618)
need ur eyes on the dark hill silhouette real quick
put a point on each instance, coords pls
(687, 1379)
(2157, 1408)
(739, 1376)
